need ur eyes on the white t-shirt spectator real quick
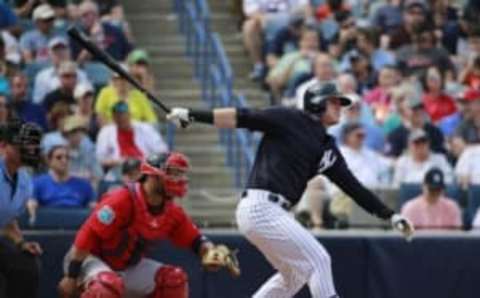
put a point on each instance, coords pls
(409, 171)
(468, 165)
(368, 166)
(271, 6)
(47, 80)
(12, 48)
(146, 138)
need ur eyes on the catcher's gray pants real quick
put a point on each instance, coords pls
(288, 246)
(139, 280)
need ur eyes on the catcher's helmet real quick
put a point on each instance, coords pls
(25, 135)
(162, 165)
(315, 98)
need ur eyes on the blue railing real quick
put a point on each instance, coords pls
(214, 73)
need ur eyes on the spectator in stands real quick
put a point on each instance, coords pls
(470, 76)
(81, 158)
(437, 103)
(4, 84)
(450, 124)
(467, 168)
(48, 79)
(12, 55)
(125, 138)
(324, 72)
(380, 98)
(84, 96)
(330, 8)
(469, 128)
(416, 58)
(34, 43)
(432, 210)
(413, 117)
(359, 113)
(62, 97)
(368, 43)
(22, 105)
(295, 63)
(106, 36)
(265, 18)
(414, 16)
(58, 187)
(120, 90)
(285, 41)
(413, 165)
(388, 17)
(370, 167)
(139, 67)
(363, 71)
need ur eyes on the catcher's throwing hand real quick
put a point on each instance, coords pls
(179, 116)
(402, 224)
(220, 256)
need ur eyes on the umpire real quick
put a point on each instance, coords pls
(295, 147)
(19, 266)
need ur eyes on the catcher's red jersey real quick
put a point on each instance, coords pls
(121, 226)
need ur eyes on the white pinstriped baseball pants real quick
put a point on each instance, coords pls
(289, 247)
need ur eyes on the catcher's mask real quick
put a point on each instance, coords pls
(172, 167)
(26, 137)
(316, 97)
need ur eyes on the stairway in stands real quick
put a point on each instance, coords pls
(211, 199)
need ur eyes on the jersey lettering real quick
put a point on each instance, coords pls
(328, 159)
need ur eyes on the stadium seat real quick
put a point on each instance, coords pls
(56, 218)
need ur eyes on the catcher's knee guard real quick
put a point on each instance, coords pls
(170, 282)
(106, 284)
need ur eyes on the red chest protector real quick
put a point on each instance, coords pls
(127, 247)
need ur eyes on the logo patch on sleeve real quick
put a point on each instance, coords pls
(106, 215)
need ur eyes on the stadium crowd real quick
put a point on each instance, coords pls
(96, 127)
(412, 68)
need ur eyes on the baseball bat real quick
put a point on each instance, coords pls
(111, 63)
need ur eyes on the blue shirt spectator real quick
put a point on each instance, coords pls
(22, 105)
(15, 191)
(73, 192)
(7, 16)
(58, 188)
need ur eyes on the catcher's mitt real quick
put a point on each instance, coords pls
(221, 256)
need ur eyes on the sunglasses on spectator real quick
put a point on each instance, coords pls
(416, 11)
(347, 25)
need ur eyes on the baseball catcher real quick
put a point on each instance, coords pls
(107, 257)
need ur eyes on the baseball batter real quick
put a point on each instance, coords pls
(107, 257)
(295, 147)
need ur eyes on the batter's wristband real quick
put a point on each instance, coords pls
(74, 269)
(204, 116)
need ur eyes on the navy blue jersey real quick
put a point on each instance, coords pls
(295, 147)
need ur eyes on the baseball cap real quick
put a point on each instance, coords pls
(120, 107)
(57, 41)
(43, 12)
(416, 3)
(434, 179)
(417, 135)
(74, 122)
(81, 90)
(138, 56)
(67, 67)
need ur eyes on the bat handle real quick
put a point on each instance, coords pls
(184, 123)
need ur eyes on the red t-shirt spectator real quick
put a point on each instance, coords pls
(439, 106)
(127, 145)
(472, 80)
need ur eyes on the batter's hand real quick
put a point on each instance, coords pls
(179, 116)
(221, 256)
(67, 288)
(402, 224)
